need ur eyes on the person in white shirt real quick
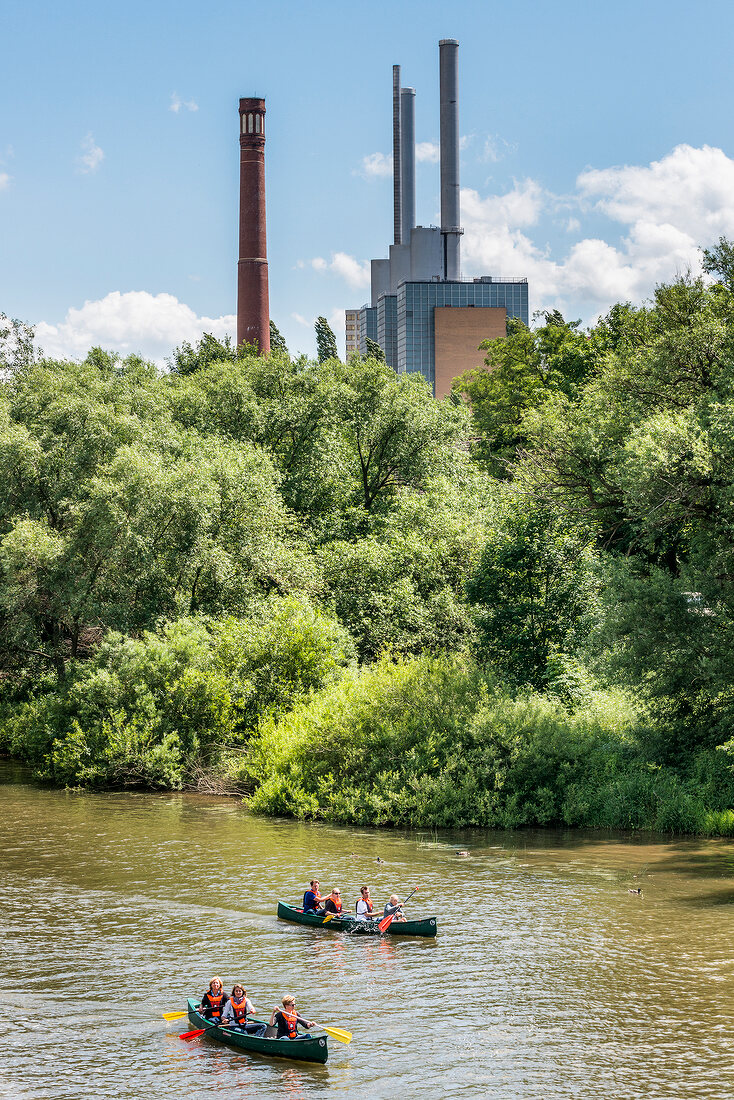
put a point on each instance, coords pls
(365, 905)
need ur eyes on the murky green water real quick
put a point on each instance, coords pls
(548, 979)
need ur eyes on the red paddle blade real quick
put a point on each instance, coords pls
(385, 922)
(193, 1034)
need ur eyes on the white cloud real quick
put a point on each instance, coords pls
(177, 104)
(91, 156)
(4, 181)
(135, 321)
(495, 148)
(338, 322)
(356, 273)
(376, 165)
(427, 151)
(301, 320)
(666, 209)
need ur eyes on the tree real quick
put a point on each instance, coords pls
(111, 515)
(325, 341)
(395, 432)
(531, 589)
(719, 260)
(16, 343)
(522, 371)
(277, 343)
(374, 351)
(187, 359)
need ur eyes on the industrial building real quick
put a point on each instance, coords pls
(424, 316)
(253, 308)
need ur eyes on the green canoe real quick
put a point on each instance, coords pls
(306, 1048)
(356, 927)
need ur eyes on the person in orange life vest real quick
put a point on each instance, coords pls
(236, 1011)
(286, 1019)
(334, 902)
(365, 905)
(214, 1001)
(312, 898)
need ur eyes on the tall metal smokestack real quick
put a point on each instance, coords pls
(397, 192)
(407, 162)
(253, 307)
(448, 52)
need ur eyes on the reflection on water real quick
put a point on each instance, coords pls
(548, 978)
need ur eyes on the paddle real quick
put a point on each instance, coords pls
(336, 1032)
(201, 1030)
(387, 921)
(174, 1015)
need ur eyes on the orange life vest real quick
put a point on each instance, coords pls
(215, 1004)
(291, 1022)
(337, 905)
(368, 902)
(239, 1008)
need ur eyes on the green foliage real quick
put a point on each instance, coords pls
(400, 587)
(532, 590)
(646, 454)
(719, 260)
(193, 563)
(277, 343)
(150, 711)
(113, 516)
(395, 432)
(188, 359)
(16, 344)
(429, 743)
(522, 372)
(374, 351)
(325, 341)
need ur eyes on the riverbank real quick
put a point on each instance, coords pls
(432, 742)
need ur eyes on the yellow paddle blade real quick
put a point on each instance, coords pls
(328, 917)
(337, 1033)
(174, 1015)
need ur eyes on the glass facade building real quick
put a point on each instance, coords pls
(367, 327)
(387, 327)
(416, 350)
(403, 323)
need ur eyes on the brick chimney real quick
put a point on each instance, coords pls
(253, 307)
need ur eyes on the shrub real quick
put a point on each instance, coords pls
(148, 711)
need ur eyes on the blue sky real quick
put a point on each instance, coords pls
(596, 153)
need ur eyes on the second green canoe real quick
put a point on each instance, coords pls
(356, 927)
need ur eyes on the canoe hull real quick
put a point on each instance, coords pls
(306, 1048)
(354, 927)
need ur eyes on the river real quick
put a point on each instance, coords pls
(547, 979)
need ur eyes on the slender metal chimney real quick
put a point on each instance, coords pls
(397, 191)
(253, 307)
(407, 162)
(448, 52)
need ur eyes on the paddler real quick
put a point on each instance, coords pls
(236, 1012)
(394, 908)
(365, 904)
(214, 1001)
(286, 1019)
(312, 898)
(334, 902)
